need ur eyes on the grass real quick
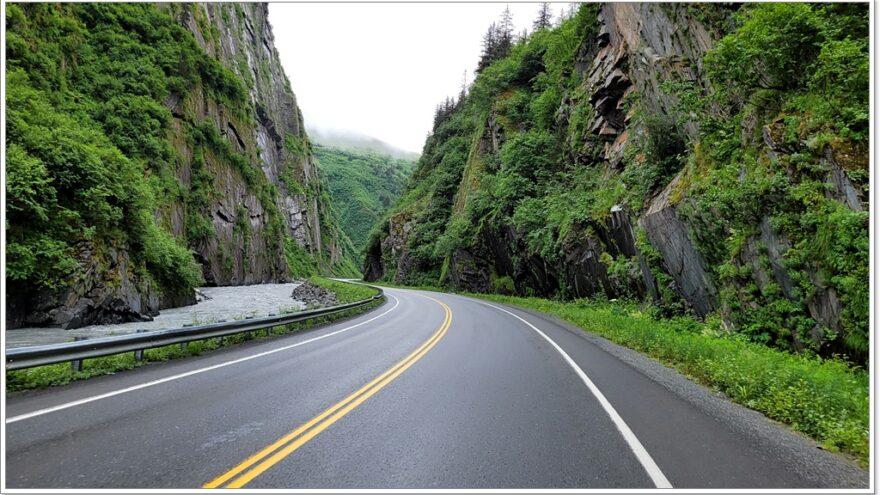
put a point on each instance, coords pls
(61, 374)
(827, 399)
(345, 292)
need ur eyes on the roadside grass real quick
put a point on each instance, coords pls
(827, 399)
(345, 292)
(61, 374)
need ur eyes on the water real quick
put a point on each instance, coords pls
(226, 303)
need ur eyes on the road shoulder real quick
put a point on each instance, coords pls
(801, 454)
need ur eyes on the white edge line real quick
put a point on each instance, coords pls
(638, 449)
(79, 402)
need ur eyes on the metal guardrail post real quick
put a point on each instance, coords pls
(219, 340)
(185, 345)
(77, 364)
(268, 330)
(139, 354)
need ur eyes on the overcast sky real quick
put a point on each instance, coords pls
(381, 69)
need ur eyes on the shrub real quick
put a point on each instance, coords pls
(825, 399)
(771, 49)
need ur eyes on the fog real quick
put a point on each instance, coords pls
(381, 69)
(347, 138)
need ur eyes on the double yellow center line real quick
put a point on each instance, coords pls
(255, 465)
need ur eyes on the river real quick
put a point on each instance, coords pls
(225, 303)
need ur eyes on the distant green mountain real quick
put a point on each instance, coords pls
(363, 184)
(354, 141)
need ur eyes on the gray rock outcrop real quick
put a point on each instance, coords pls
(313, 295)
(249, 219)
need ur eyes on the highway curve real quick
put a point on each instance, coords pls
(427, 391)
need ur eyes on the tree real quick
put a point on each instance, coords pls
(497, 41)
(463, 91)
(444, 110)
(563, 16)
(545, 17)
(505, 32)
(490, 43)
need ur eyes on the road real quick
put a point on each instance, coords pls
(427, 391)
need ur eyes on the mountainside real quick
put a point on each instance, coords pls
(363, 184)
(152, 148)
(354, 141)
(710, 159)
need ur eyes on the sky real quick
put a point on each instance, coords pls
(380, 69)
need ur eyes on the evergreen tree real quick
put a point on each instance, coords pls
(497, 41)
(561, 18)
(545, 17)
(463, 91)
(505, 33)
(444, 110)
(490, 43)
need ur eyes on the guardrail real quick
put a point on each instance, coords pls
(75, 352)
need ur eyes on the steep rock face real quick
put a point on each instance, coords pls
(248, 200)
(764, 253)
(680, 258)
(638, 46)
(105, 292)
(272, 135)
(618, 192)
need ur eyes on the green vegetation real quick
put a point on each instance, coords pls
(86, 133)
(62, 373)
(110, 147)
(358, 143)
(825, 399)
(299, 262)
(363, 184)
(346, 292)
(528, 183)
(813, 89)
(515, 180)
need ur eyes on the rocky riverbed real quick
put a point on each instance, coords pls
(215, 304)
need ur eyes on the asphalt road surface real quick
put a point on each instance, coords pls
(427, 391)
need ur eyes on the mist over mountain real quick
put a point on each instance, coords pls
(354, 140)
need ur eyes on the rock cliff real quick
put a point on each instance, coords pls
(271, 133)
(231, 171)
(626, 171)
